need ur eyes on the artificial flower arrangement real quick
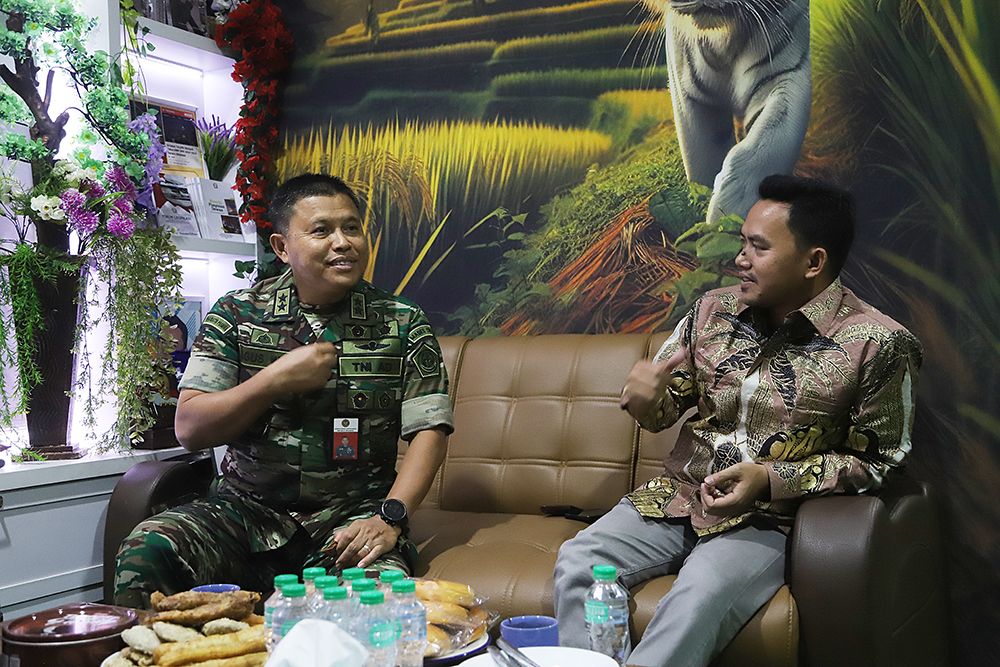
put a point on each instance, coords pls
(96, 200)
(218, 146)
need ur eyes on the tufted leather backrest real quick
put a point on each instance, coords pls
(537, 421)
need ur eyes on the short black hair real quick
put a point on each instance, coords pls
(819, 215)
(307, 185)
(174, 321)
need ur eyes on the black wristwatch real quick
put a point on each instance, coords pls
(393, 512)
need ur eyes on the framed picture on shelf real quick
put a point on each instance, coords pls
(176, 125)
(188, 15)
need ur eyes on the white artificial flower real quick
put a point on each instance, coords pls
(63, 168)
(47, 207)
(57, 213)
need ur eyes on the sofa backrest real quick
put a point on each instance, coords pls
(537, 421)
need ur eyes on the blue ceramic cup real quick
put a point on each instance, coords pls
(524, 631)
(216, 588)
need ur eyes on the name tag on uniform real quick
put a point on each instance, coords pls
(345, 439)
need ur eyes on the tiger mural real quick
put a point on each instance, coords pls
(741, 89)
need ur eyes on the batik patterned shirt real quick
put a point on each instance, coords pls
(389, 377)
(825, 403)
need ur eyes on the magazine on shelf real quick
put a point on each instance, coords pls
(216, 207)
(176, 125)
(176, 209)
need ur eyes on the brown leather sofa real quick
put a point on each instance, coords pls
(537, 422)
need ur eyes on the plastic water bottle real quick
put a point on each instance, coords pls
(272, 602)
(606, 612)
(339, 608)
(387, 579)
(321, 584)
(309, 579)
(293, 608)
(411, 622)
(350, 575)
(375, 629)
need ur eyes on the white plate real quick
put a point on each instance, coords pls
(457, 654)
(552, 656)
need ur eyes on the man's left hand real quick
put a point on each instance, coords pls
(361, 543)
(734, 490)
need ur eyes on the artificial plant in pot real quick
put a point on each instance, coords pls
(120, 271)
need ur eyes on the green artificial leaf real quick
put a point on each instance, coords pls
(718, 247)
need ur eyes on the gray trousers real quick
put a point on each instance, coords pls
(722, 581)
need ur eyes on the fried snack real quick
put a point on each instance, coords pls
(156, 599)
(478, 618)
(434, 590)
(221, 626)
(215, 647)
(187, 600)
(140, 638)
(171, 632)
(447, 613)
(249, 660)
(236, 604)
(254, 619)
(438, 641)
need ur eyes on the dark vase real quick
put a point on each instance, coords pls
(48, 407)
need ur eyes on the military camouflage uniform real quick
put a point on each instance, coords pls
(287, 484)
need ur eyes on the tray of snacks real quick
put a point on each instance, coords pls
(457, 620)
(195, 627)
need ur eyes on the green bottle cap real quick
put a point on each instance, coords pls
(285, 579)
(294, 591)
(312, 573)
(372, 597)
(405, 586)
(390, 576)
(334, 593)
(605, 572)
(325, 581)
(363, 585)
(352, 573)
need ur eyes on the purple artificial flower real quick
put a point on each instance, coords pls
(120, 181)
(120, 225)
(146, 124)
(94, 189)
(123, 206)
(72, 200)
(83, 220)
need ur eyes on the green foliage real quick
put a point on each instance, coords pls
(577, 82)
(21, 271)
(714, 244)
(145, 278)
(598, 48)
(570, 224)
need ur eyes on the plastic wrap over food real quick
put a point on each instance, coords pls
(456, 615)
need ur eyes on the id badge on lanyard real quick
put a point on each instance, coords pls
(345, 439)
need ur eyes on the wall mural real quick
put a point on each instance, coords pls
(540, 166)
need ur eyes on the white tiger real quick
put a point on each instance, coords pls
(741, 86)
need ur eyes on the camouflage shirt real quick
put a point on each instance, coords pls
(825, 403)
(335, 447)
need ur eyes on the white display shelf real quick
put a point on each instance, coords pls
(27, 475)
(196, 244)
(184, 48)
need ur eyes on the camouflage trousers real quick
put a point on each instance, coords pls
(208, 541)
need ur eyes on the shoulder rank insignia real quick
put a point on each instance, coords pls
(282, 302)
(358, 309)
(420, 332)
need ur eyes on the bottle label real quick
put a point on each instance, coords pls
(382, 635)
(596, 611)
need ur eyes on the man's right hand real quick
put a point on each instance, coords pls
(304, 369)
(647, 383)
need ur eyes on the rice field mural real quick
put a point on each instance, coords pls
(528, 169)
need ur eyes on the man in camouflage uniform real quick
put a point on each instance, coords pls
(309, 378)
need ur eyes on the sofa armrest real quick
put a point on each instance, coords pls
(146, 489)
(868, 578)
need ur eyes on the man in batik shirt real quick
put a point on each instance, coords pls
(800, 389)
(310, 378)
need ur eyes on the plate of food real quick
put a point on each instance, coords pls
(459, 654)
(552, 656)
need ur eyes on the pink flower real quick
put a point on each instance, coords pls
(120, 225)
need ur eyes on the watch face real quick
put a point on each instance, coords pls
(394, 510)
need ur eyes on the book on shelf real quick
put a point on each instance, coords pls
(216, 207)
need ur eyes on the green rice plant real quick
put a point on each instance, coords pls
(508, 25)
(574, 44)
(577, 82)
(414, 174)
